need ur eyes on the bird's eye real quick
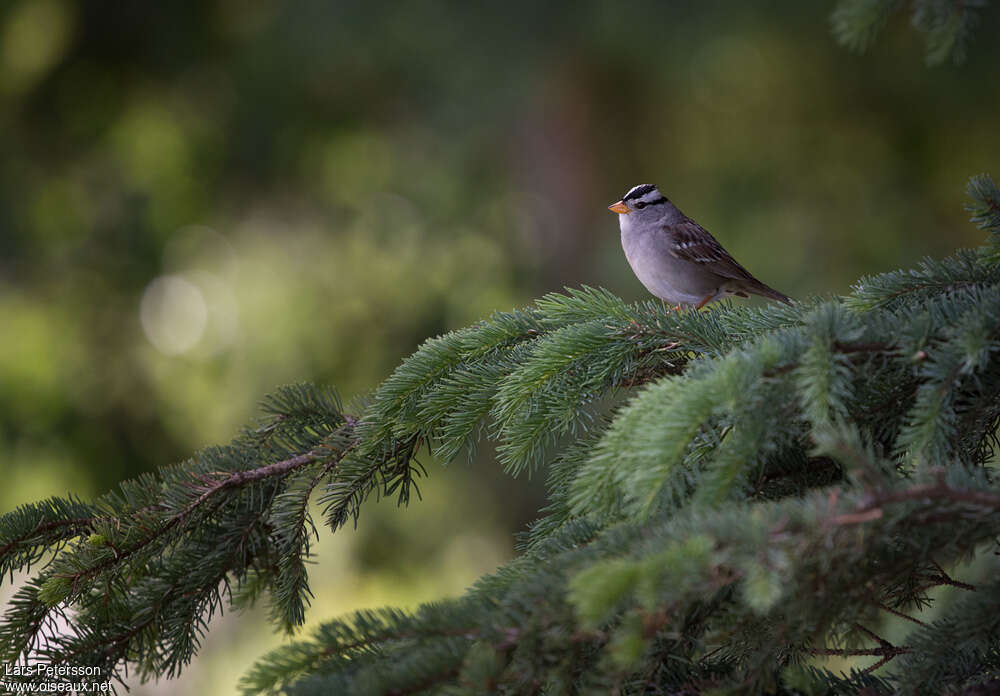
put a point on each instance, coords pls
(640, 205)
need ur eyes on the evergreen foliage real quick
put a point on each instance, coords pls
(948, 26)
(733, 494)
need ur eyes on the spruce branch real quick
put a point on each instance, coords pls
(985, 211)
(66, 528)
(214, 484)
(939, 490)
(31, 531)
(895, 612)
(163, 550)
(75, 527)
(943, 578)
(658, 580)
(947, 24)
(728, 489)
(886, 651)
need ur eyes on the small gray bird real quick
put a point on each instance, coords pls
(675, 257)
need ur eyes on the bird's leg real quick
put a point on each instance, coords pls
(705, 301)
(678, 308)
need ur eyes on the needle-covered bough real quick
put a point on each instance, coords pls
(735, 494)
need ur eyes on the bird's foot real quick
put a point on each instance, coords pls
(705, 301)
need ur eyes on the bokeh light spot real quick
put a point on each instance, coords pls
(34, 38)
(174, 314)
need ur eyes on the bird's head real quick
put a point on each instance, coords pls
(644, 197)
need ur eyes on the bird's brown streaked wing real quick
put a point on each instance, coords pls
(691, 242)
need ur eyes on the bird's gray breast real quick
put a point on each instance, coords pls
(647, 248)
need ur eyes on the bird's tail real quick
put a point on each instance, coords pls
(758, 288)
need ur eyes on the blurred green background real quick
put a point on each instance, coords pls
(200, 201)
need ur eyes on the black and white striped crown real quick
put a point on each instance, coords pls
(644, 194)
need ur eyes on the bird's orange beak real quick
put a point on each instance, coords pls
(619, 208)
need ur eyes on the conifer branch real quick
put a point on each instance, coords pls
(231, 480)
(946, 24)
(895, 612)
(746, 480)
(76, 526)
(939, 490)
(884, 651)
(943, 578)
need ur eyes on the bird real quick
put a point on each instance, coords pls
(675, 258)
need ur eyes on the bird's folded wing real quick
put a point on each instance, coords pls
(691, 242)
